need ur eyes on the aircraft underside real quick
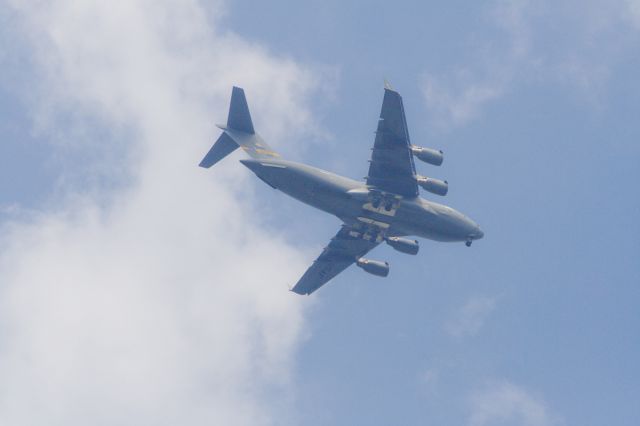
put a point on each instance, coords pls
(385, 208)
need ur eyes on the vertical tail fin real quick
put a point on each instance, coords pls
(239, 117)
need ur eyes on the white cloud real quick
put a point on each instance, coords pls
(503, 403)
(162, 301)
(469, 319)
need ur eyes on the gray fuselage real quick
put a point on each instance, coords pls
(359, 205)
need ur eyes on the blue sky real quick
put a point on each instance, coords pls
(104, 111)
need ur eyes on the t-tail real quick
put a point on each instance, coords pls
(238, 132)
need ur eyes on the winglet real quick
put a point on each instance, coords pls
(239, 117)
(387, 85)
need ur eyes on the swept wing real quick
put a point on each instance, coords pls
(392, 168)
(344, 249)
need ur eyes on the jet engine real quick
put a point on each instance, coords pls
(428, 155)
(435, 186)
(374, 267)
(403, 245)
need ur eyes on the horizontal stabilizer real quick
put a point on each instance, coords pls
(224, 146)
(239, 117)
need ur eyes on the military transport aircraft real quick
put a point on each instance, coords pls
(385, 208)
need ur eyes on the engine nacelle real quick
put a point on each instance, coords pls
(428, 155)
(403, 245)
(374, 267)
(435, 186)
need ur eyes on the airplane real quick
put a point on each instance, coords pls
(387, 207)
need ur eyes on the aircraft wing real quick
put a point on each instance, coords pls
(392, 168)
(344, 249)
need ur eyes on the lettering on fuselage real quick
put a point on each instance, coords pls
(267, 152)
(259, 149)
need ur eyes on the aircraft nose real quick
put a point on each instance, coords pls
(475, 232)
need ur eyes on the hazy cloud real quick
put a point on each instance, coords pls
(503, 403)
(429, 380)
(469, 319)
(568, 43)
(458, 97)
(459, 104)
(160, 300)
(634, 11)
